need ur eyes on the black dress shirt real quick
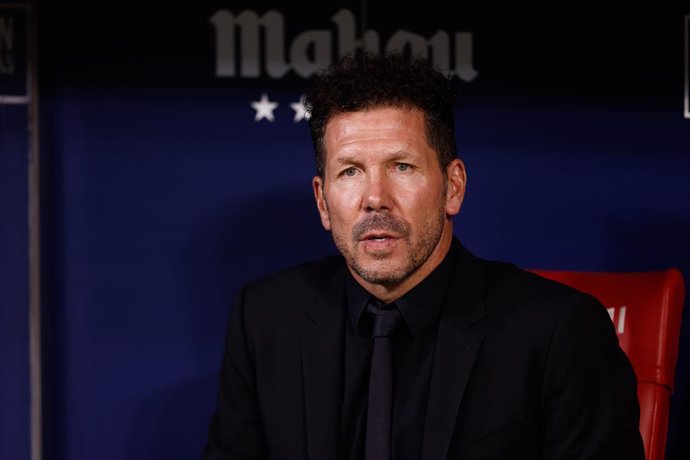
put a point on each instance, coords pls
(413, 355)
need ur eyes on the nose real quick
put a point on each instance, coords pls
(378, 193)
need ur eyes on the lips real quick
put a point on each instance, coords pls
(379, 243)
(378, 236)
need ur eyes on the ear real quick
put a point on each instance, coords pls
(317, 184)
(457, 181)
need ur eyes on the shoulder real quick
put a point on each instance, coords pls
(299, 279)
(507, 279)
(535, 314)
(520, 295)
(284, 295)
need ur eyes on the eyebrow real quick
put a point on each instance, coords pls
(397, 155)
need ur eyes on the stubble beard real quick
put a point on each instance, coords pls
(382, 273)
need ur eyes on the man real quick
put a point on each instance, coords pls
(488, 361)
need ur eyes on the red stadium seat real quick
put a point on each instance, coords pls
(646, 310)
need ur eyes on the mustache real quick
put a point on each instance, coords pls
(382, 222)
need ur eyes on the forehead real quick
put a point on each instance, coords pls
(379, 128)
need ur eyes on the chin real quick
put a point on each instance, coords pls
(379, 273)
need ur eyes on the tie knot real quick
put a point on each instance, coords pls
(386, 320)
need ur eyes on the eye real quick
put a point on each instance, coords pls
(349, 172)
(402, 167)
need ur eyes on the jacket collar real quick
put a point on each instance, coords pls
(459, 338)
(321, 342)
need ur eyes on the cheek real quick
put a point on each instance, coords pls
(343, 205)
(421, 198)
(422, 210)
(340, 214)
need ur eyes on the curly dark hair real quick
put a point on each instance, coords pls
(366, 80)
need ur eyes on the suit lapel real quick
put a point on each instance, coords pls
(322, 350)
(457, 344)
(453, 360)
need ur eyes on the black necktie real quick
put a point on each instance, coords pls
(380, 405)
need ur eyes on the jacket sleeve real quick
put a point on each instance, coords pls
(589, 400)
(235, 431)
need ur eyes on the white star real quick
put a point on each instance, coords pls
(300, 110)
(264, 108)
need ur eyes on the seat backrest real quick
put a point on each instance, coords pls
(646, 309)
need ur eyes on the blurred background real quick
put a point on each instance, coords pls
(143, 180)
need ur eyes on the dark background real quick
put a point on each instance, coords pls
(161, 195)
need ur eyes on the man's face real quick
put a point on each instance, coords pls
(383, 195)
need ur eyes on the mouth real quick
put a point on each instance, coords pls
(378, 236)
(379, 243)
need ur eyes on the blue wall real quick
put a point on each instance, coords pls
(14, 287)
(14, 238)
(162, 194)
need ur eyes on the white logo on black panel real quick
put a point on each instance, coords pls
(252, 46)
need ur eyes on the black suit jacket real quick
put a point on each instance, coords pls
(524, 368)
